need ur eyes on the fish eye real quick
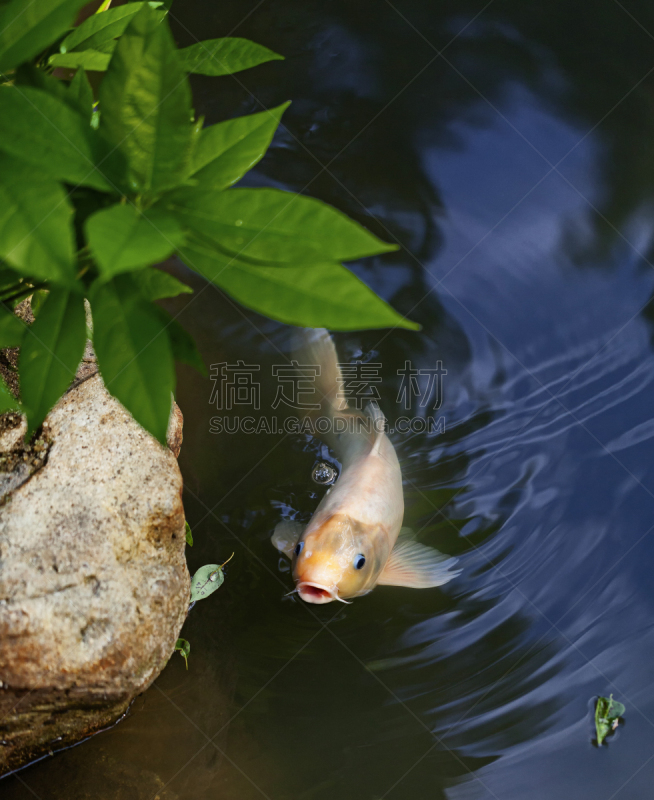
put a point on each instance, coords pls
(298, 548)
(359, 561)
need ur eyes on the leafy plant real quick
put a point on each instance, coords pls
(98, 187)
(189, 535)
(607, 716)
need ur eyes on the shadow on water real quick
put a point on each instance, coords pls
(517, 173)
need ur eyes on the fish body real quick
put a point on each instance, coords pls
(355, 538)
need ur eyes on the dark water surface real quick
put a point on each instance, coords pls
(517, 171)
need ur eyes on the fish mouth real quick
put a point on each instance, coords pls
(317, 593)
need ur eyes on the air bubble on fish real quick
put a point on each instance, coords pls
(324, 474)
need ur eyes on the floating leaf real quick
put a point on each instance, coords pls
(51, 352)
(224, 56)
(36, 230)
(273, 226)
(184, 648)
(134, 352)
(189, 535)
(27, 28)
(146, 105)
(607, 715)
(122, 237)
(321, 295)
(226, 151)
(206, 580)
(45, 131)
(155, 284)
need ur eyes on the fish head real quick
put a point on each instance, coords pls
(338, 559)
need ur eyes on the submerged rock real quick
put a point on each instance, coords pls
(93, 580)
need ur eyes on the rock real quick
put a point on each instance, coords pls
(93, 580)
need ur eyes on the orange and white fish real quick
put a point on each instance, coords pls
(355, 539)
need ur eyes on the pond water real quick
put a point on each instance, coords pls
(509, 148)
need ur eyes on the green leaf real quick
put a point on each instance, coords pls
(224, 56)
(14, 287)
(27, 28)
(89, 59)
(184, 649)
(324, 295)
(44, 131)
(80, 93)
(146, 105)
(189, 535)
(122, 237)
(101, 28)
(206, 580)
(607, 714)
(155, 284)
(36, 233)
(273, 226)
(7, 401)
(226, 151)
(30, 75)
(12, 329)
(37, 301)
(134, 352)
(51, 352)
(182, 343)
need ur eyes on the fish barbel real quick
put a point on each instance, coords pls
(355, 538)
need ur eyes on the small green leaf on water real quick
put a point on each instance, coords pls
(607, 715)
(184, 648)
(189, 535)
(207, 579)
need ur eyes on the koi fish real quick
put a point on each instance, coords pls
(355, 540)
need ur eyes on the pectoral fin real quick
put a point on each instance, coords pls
(416, 565)
(286, 535)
